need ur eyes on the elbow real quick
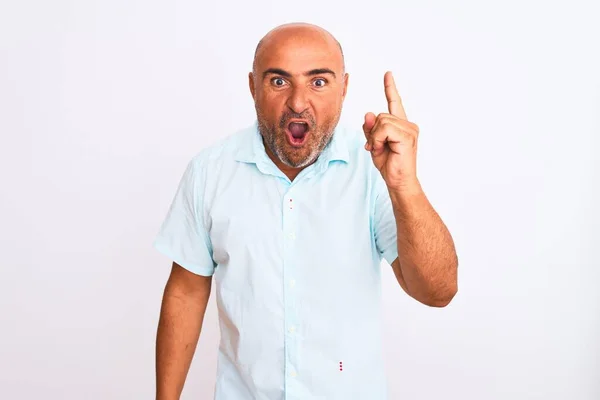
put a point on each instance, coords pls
(440, 302)
(437, 291)
(442, 298)
(446, 290)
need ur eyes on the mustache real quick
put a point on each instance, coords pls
(283, 122)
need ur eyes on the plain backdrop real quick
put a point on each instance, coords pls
(103, 103)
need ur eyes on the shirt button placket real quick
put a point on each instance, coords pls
(289, 292)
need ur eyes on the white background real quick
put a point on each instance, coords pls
(103, 103)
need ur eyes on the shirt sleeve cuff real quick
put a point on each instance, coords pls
(390, 255)
(193, 268)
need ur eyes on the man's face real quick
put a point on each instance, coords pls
(298, 86)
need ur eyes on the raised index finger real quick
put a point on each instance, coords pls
(393, 97)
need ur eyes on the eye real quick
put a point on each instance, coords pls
(278, 81)
(320, 82)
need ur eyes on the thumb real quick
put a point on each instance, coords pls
(368, 125)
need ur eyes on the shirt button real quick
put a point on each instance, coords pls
(292, 236)
(293, 374)
(292, 329)
(293, 283)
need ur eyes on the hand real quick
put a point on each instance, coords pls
(392, 141)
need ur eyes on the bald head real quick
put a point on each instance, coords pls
(296, 32)
(298, 83)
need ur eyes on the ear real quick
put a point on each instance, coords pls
(345, 85)
(251, 84)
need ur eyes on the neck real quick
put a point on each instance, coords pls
(290, 172)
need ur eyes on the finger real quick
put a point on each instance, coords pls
(390, 130)
(378, 145)
(401, 124)
(370, 119)
(378, 138)
(393, 97)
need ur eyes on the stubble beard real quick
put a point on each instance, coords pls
(275, 139)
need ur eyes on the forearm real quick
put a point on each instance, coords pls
(177, 336)
(427, 260)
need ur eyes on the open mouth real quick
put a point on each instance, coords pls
(297, 131)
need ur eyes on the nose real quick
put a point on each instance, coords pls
(298, 100)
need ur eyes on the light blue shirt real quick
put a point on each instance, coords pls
(296, 266)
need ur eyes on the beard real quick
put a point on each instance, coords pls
(275, 139)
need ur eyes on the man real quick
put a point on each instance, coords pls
(292, 217)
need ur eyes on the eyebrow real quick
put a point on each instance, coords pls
(279, 71)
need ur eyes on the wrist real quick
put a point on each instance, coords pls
(405, 189)
(407, 196)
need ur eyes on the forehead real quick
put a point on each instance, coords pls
(299, 53)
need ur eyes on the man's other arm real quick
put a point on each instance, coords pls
(182, 312)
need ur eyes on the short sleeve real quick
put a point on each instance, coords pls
(384, 221)
(182, 236)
